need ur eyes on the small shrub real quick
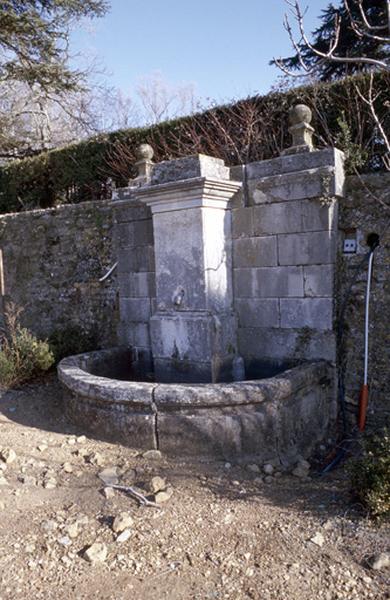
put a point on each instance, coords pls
(71, 340)
(370, 474)
(22, 355)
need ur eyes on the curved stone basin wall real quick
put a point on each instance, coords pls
(279, 417)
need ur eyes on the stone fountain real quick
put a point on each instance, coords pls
(226, 332)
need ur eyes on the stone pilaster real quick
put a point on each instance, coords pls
(193, 331)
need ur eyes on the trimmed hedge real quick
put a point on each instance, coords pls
(252, 129)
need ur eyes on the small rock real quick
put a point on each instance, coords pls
(27, 479)
(82, 520)
(152, 454)
(49, 526)
(81, 439)
(3, 480)
(50, 484)
(66, 560)
(164, 496)
(83, 452)
(303, 464)
(67, 467)
(95, 459)
(108, 492)
(268, 479)
(64, 540)
(109, 476)
(268, 469)
(42, 447)
(129, 476)
(277, 475)
(318, 539)
(96, 553)
(121, 522)
(228, 465)
(2, 505)
(258, 480)
(300, 472)
(380, 561)
(157, 484)
(71, 441)
(73, 530)
(253, 468)
(123, 536)
(3, 466)
(7, 455)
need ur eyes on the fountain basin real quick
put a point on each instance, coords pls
(279, 417)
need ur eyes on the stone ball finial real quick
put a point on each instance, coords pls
(145, 152)
(300, 113)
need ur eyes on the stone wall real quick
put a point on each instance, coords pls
(361, 213)
(52, 261)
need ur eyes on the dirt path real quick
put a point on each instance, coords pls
(224, 533)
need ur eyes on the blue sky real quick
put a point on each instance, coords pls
(221, 46)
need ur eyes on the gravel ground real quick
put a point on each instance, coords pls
(226, 531)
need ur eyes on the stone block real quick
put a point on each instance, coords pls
(329, 157)
(286, 344)
(318, 280)
(137, 285)
(189, 167)
(242, 222)
(243, 283)
(134, 309)
(129, 211)
(255, 252)
(143, 232)
(315, 313)
(318, 216)
(313, 183)
(280, 217)
(266, 343)
(111, 423)
(192, 336)
(278, 282)
(140, 335)
(312, 248)
(258, 313)
(133, 260)
(136, 233)
(124, 234)
(134, 334)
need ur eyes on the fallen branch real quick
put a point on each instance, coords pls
(137, 495)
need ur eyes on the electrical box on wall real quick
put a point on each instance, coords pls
(349, 246)
(350, 242)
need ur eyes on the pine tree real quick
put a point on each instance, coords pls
(349, 45)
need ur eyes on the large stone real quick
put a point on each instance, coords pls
(318, 280)
(189, 167)
(315, 313)
(283, 217)
(313, 248)
(263, 312)
(255, 252)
